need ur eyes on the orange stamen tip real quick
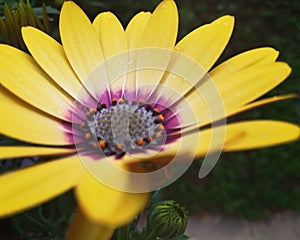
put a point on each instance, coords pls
(118, 146)
(102, 143)
(160, 117)
(87, 136)
(155, 110)
(139, 142)
(161, 127)
(95, 145)
(121, 100)
(91, 110)
(148, 139)
(158, 135)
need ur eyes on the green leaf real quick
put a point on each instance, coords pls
(182, 237)
(135, 235)
(155, 198)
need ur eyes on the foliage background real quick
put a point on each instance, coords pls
(250, 184)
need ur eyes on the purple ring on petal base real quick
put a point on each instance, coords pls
(134, 115)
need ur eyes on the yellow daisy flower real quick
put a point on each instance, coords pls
(71, 101)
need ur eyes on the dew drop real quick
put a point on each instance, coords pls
(163, 5)
(226, 24)
(20, 80)
(130, 61)
(38, 84)
(231, 67)
(58, 111)
(27, 93)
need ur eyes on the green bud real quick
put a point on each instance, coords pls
(167, 220)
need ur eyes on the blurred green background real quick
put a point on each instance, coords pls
(252, 184)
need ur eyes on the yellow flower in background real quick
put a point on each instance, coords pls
(59, 99)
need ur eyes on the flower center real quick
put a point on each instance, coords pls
(125, 127)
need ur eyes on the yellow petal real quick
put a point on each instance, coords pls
(205, 116)
(162, 27)
(243, 136)
(251, 58)
(34, 185)
(249, 69)
(113, 42)
(108, 206)
(260, 103)
(252, 135)
(26, 151)
(134, 32)
(111, 34)
(231, 137)
(79, 39)
(218, 97)
(21, 121)
(50, 55)
(135, 28)
(206, 43)
(218, 76)
(195, 55)
(258, 134)
(244, 86)
(22, 76)
(83, 228)
(160, 32)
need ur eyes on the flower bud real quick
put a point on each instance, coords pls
(167, 219)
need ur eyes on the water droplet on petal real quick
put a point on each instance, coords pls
(130, 61)
(226, 24)
(58, 111)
